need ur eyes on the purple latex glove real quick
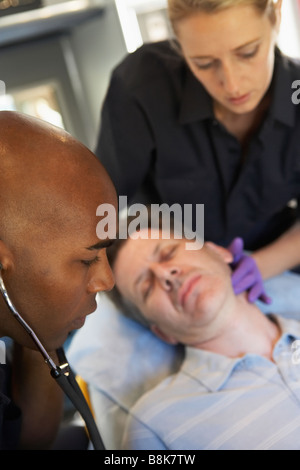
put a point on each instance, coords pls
(246, 275)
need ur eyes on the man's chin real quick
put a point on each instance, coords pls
(53, 345)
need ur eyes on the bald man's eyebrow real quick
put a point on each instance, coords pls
(101, 245)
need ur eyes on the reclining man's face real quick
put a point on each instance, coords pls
(179, 292)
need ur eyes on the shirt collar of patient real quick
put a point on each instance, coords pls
(213, 370)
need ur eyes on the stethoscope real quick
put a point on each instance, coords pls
(63, 374)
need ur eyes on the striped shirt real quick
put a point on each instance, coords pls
(219, 403)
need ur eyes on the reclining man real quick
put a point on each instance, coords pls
(238, 386)
(51, 261)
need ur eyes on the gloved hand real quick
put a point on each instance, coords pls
(246, 275)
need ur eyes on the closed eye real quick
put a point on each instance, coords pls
(90, 262)
(167, 253)
(249, 54)
(204, 66)
(146, 288)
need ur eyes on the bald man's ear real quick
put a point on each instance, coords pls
(6, 257)
(161, 335)
(225, 254)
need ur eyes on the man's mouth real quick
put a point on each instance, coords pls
(187, 288)
(80, 321)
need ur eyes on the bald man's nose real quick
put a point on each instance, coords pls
(102, 278)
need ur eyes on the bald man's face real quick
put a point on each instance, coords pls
(54, 284)
(53, 262)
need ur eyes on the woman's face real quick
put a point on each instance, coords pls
(231, 53)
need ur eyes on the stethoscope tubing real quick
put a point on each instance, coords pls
(63, 374)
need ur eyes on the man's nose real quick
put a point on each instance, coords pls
(167, 275)
(102, 278)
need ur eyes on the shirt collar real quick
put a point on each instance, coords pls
(197, 104)
(282, 108)
(213, 370)
(290, 328)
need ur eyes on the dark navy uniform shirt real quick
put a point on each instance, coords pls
(158, 131)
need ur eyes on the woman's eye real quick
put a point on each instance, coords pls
(204, 66)
(90, 262)
(249, 54)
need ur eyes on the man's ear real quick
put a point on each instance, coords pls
(6, 257)
(225, 254)
(161, 335)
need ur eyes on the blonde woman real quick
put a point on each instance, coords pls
(209, 119)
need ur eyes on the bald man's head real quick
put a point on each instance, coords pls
(50, 188)
(46, 177)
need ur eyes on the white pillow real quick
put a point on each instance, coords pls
(119, 360)
(119, 356)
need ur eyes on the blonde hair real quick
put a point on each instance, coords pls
(181, 9)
